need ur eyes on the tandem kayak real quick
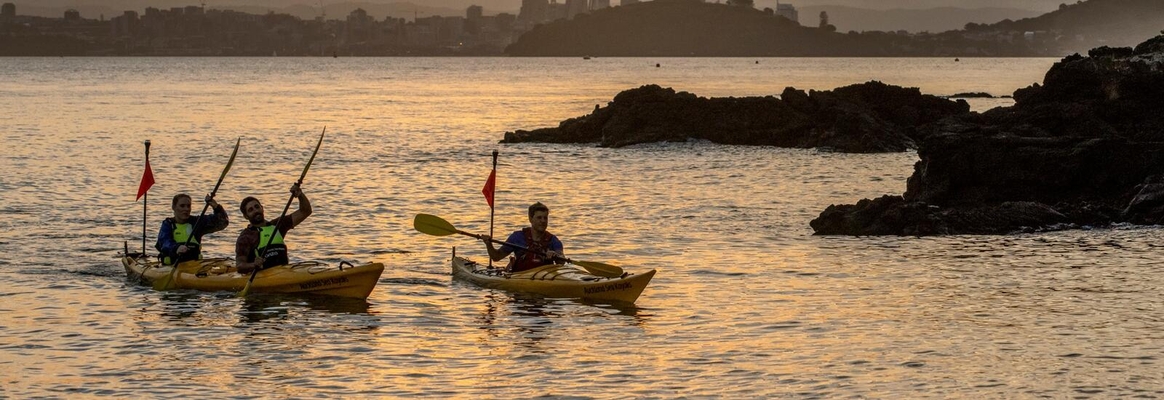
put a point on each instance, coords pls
(555, 281)
(219, 274)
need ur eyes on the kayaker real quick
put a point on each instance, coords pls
(543, 246)
(260, 244)
(174, 238)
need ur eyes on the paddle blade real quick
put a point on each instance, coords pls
(600, 269)
(313, 153)
(229, 163)
(433, 225)
(247, 288)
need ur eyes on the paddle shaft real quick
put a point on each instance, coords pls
(214, 192)
(516, 246)
(288, 206)
(437, 226)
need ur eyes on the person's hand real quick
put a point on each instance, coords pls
(553, 255)
(295, 190)
(247, 268)
(183, 249)
(210, 202)
(483, 237)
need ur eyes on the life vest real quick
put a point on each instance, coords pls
(535, 256)
(181, 233)
(271, 246)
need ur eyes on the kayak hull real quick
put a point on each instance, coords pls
(555, 281)
(219, 274)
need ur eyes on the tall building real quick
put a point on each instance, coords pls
(474, 13)
(533, 11)
(599, 4)
(8, 10)
(788, 11)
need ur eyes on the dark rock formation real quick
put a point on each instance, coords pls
(865, 118)
(1084, 148)
(972, 95)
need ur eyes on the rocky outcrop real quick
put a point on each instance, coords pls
(864, 118)
(1085, 148)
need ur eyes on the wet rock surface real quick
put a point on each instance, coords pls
(1085, 148)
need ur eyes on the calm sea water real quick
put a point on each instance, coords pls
(747, 302)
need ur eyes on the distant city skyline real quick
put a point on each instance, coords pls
(850, 15)
(509, 6)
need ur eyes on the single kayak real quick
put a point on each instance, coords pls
(555, 281)
(219, 274)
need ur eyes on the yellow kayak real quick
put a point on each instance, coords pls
(219, 274)
(555, 281)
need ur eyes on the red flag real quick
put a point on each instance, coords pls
(489, 186)
(147, 180)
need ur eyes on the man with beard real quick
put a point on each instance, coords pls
(260, 245)
(180, 237)
(543, 247)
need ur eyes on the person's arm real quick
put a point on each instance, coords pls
(304, 209)
(216, 221)
(166, 243)
(243, 249)
(496, 254)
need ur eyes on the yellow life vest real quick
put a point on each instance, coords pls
(181, 233)
(271, 246)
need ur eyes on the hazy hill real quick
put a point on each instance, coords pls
(913, 20)
(694, 28)
(1081, 26)
(676, 28)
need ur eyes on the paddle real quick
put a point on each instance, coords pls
(167, 282)
(436, 226)
(247, 288)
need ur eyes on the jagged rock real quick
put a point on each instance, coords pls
(864, 118)
(1147, 207)
(1085, 148)
(972, 95)
(892, 215)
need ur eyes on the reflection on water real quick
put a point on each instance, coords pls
(539, 316)
(747, 303)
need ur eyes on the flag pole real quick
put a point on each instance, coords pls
(144, 203)
(491, 209)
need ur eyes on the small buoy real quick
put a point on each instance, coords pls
(956, 60)
(656, 65)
